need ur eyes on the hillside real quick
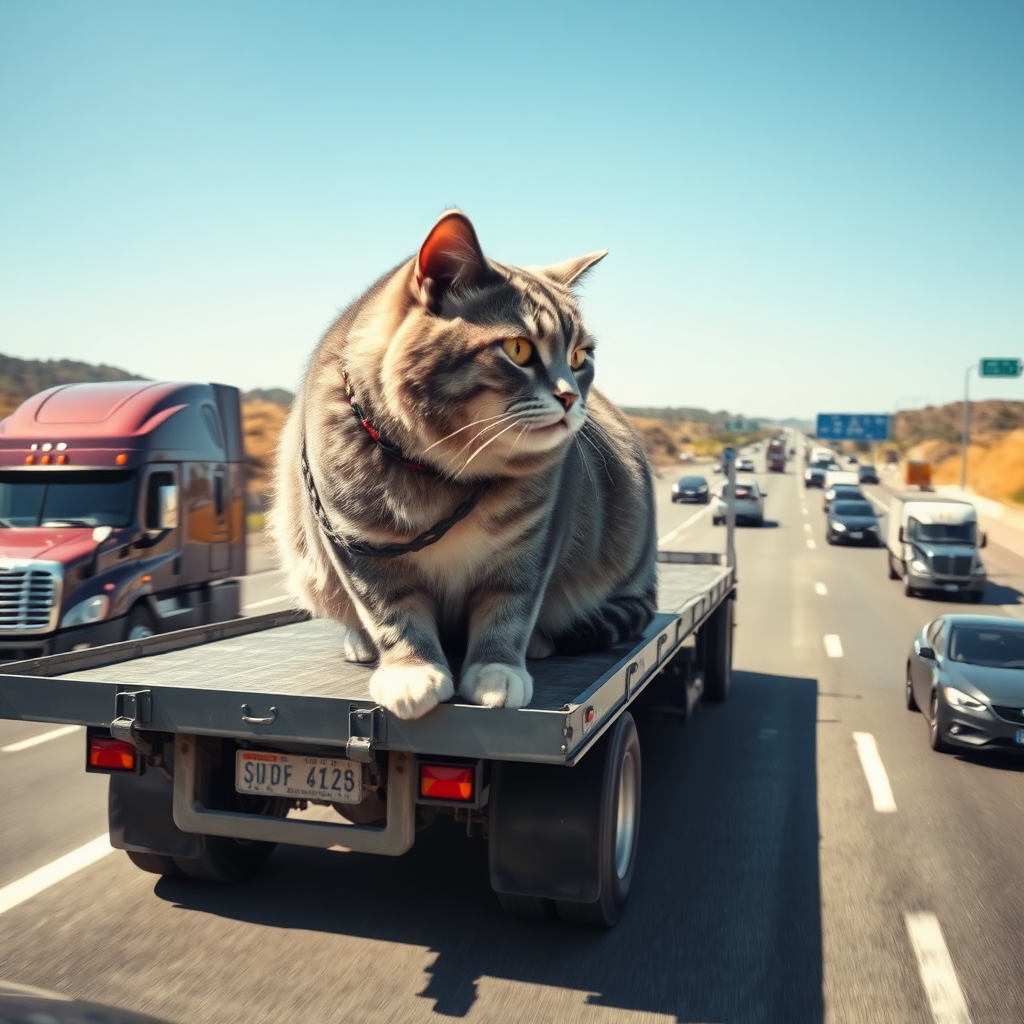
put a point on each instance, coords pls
(22, 378)
(945, 422)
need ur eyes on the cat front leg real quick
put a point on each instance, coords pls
(500, 627)
(413, 675)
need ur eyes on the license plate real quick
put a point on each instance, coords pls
(299, 777)
(856, 535)
(1018, 737)
(951, 587)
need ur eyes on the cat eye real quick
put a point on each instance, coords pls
(578, 358)
(519, 350)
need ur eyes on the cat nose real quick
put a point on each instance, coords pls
(567, 398)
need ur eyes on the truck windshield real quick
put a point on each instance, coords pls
(943, 533)
(992, 647)
(67, 498)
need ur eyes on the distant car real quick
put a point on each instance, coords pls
(842, 492)
(691, 488)
(749, 503)
(966, 672)
(745, 466)
(867, 475)
(686, 457)
(814, 476)
(852, 522)
(852, 460)
(717, 467)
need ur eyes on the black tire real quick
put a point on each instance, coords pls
(226, 860)
(532, 908)
(935, 740)
(909, 692)
(617, 829)
(893, 574)
(908, 590)
(830, 538)
(140, 624)
(714, 651)
(155, 863)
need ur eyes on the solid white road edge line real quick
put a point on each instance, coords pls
(682, 526)
(811, 544)
(50, 874)
(833, 645)
(820, 588)
(938, 976)
(874, 772)
(269, 600)
(34, 741)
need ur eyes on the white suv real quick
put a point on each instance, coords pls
(749, 503)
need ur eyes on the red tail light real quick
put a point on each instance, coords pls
(116, 755)
(445, 782)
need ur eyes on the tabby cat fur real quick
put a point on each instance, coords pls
(464, 366)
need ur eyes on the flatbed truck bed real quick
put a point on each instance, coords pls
(190, 702)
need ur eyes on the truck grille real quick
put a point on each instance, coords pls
(952, 565)
(29, 596)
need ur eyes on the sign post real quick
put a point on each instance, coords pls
(728, 458)
(986, 368)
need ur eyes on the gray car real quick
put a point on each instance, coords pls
(966, 672)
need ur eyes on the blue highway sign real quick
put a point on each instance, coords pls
(847, 426)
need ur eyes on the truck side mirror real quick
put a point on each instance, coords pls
(167, 507)
(984, 540)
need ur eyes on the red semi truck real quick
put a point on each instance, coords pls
(776, 456)
(122, 514)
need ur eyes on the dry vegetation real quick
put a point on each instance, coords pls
(261, 423)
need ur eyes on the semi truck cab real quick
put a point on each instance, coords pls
(122, 514)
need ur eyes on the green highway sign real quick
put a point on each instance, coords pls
(742, 426)
(1000, 368)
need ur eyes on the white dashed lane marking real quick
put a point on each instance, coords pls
(807, 527)
(804, 510)
(938, 976)
(50, 874)
(811, 544)
(43, 737)
(682, 526)
(833, 645)
(874, 772)
(820, 588)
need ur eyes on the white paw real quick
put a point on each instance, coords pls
(540, 647)
(410, 691)
(497, 685)
(359, 647)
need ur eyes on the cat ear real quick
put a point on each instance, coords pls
(568, 272)
(449, 260)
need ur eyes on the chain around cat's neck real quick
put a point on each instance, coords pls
(390, 447)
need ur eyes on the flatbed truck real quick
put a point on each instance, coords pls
(225, 739)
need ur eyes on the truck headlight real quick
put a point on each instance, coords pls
(919, 567)
(959, 699)
(979, 570)
(838, 527)
(93, 609)
(675, 488)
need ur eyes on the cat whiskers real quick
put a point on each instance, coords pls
(511, 426)
(480, 433)
(475, 423)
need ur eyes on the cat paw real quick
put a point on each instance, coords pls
(540, 647)
(359, 647)
(410, 691)
(497, 686)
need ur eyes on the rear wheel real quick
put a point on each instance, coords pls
(155, 863)
(226, 860)
(937, 743)
(909, 692)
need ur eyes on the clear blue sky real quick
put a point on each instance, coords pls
(809, 206)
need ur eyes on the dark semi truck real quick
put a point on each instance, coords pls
(122, 514)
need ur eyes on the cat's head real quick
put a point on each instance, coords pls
(487, 367)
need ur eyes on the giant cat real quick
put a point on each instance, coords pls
(451, 488)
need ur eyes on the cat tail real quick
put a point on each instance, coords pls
(618, 619)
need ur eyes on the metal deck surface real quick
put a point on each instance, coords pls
(307, 658)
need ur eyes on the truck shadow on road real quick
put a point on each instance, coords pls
(724, 918)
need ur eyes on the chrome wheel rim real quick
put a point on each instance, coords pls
(625, 819)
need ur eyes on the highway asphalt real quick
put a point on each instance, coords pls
(769, 887)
